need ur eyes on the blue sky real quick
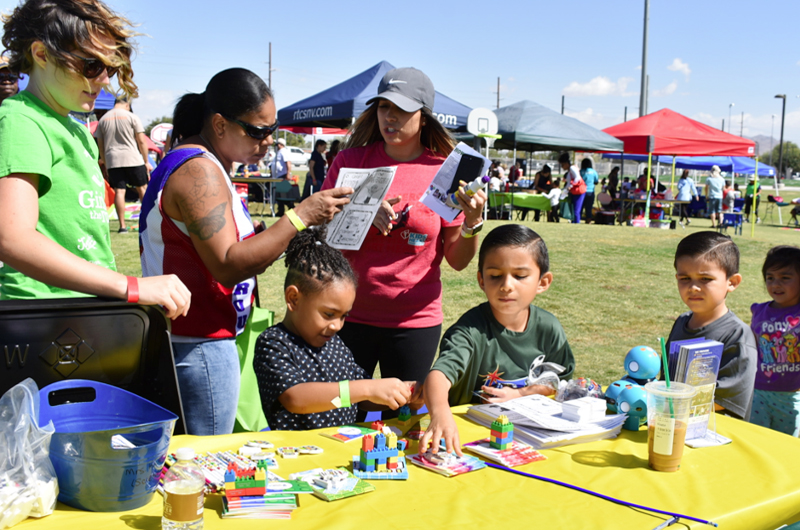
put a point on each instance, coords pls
(703, 55)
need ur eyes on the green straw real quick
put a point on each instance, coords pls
(666, 370)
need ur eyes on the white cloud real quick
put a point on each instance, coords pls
(666, 91)
(599, 86)
(153, 104)
(639, 67)
(591, 117)
(680, 66)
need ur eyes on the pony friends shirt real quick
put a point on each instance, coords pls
(777, 332)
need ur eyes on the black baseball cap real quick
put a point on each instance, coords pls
(408, 88)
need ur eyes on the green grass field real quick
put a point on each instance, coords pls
(614, 286)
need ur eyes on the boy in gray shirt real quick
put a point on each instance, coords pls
(707, 269)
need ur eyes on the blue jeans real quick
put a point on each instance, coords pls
(208, 378)
(577, 206)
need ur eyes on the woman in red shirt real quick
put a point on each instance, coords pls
(397, 317)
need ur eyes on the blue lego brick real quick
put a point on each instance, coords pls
(401, 473)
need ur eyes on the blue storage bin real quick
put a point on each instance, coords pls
(93, 475)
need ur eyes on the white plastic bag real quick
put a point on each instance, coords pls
(28, 484)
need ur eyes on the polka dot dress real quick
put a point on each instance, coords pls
(283, 360)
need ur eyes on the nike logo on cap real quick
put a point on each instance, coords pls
(395, 81)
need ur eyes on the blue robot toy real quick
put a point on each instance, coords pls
(642, 364)
(633, 402)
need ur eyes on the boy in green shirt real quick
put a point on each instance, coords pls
(506, 333)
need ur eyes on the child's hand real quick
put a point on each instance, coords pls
(442, 426)
(498, 395)
(417, 399)
(391, 392)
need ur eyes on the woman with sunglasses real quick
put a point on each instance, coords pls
(194, 225)
(397, 316)
(54, 236)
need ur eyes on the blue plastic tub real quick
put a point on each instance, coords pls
(92, 474)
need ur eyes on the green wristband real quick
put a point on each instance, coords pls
(344, 394)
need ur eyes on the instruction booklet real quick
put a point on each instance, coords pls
(349, 228)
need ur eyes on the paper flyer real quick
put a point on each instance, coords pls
(463, 164)
(349, 228)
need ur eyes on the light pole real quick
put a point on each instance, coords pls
(643, 90)
(730, 106)
(780, 149)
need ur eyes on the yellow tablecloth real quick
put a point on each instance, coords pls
(751, 484)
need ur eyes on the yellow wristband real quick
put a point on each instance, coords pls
(295, 220)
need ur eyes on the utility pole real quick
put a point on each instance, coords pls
(730, 122)
(780, 149)
(643, 92)
(741, 129)
(723, 125)
(626, 114)
(562, 104)
(269, 80)
(498, 92)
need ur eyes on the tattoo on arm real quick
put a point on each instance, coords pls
(207, 226)
(206, 187)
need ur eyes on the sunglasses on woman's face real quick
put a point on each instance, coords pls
(258, 133)
(8, 77)
(92, 67)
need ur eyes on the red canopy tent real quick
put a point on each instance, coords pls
(666, 132)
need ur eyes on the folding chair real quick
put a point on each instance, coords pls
(500, 205)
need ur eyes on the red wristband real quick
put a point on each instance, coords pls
(133, 289)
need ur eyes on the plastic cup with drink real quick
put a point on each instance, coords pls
(668, 407)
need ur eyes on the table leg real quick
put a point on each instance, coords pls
(272, 199)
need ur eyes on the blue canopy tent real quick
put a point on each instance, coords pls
(339, 105)
(734, 164)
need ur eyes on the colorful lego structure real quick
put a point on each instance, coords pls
(376, 425)
(404, 416)
(381, 457)
(502, 433)
(246, 482)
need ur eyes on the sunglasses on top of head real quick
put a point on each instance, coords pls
(257, 133)
(93, 67)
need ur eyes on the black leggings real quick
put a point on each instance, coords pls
(406, 354)
(403, 353)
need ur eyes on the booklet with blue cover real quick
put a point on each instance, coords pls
(697, 364)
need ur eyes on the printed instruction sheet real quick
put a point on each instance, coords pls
(463, 164)
(349, 228)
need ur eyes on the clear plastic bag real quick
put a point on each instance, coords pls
(28, 484)
(578, 388)
(544, 373)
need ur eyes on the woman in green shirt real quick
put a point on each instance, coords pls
(54, 237)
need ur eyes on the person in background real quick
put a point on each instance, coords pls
(625, 188)
(316, 169)
(575, 185)
(54, 237)
(9, 81)
(714, 186)
(332, 152)
(123, 151)
(397, 317)
(728, 197)
(513, 173)
(542, 183)
(686, 191)
(194, 225)
(776, 326)
(282, 169)
(749, 192)
(613, 182)
(555, 197)
(590, 177)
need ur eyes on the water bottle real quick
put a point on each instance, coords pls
(473, 188)
(184, 485)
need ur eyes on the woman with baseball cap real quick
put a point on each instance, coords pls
(54, 236)
(397, 317)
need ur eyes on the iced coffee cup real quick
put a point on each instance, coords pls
(667, 419)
